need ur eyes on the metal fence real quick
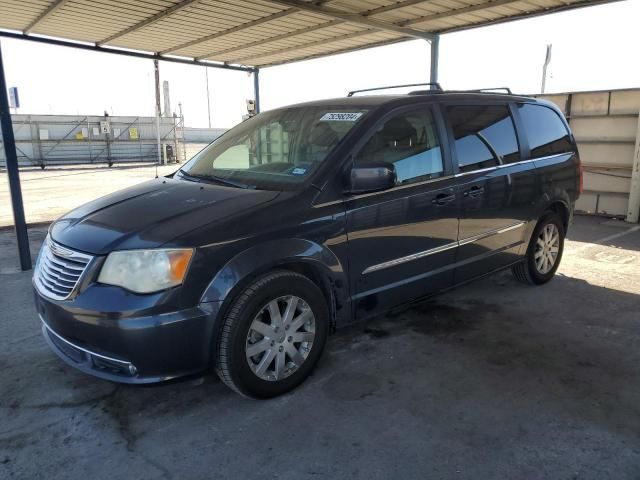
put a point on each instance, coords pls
(607, 128)
(45, 140)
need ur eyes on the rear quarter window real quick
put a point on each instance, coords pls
(545, 130)
(484, 136)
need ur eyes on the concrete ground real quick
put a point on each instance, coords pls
(495, 380)
(52, 192)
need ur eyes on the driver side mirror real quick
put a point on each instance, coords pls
(372, 177)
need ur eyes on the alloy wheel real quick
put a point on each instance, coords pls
(547, 248)
(280, 338)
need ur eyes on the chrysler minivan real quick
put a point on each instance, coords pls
(300, 220)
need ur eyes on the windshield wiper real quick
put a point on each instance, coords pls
(216, 179)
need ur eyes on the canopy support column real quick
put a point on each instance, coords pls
(256, 88)
(13, 174)
(633, 212)
(435, 53)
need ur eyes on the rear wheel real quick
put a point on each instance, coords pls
(273, 335)
(544, 252)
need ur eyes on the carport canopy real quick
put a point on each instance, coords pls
(239, 35)
(258, 33)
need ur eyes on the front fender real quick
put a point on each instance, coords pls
(258, 259)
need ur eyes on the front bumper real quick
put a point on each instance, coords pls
(134, 349)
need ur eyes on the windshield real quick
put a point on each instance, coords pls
(275, 150)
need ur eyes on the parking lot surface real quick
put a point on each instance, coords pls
(494, 380)
(50, 193)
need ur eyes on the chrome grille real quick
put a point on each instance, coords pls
(58, 270)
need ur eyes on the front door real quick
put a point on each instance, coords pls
(496, 191)
(402, 241)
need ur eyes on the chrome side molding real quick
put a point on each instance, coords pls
(442, 248)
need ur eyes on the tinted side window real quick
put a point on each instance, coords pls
(410, 142)
(484, 136)
(546, 132)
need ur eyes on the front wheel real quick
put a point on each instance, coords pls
(272, 335)
(544, 252)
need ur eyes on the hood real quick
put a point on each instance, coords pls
(151, 214)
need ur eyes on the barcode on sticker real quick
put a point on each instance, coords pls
(341, 117)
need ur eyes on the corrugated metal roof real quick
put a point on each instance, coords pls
(259, 32)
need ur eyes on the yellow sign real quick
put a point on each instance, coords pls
(133, 133)
(79, 136)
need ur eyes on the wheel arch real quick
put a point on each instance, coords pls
(307, 258)
(562, 210)
(558, 205)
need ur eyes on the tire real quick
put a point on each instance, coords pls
(529, 271)
(252, 325)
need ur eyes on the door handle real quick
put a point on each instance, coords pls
(474, 192)
(443, 199)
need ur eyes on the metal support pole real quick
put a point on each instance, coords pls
(156, 69)
(13, 174)
(633, 212)
(435, 53)
(256, 88)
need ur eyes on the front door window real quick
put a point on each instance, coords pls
(410, 143)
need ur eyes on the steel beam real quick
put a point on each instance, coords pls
(435, 54)
(352, 17)
(394, 6)
(50, 10)
(238, 28)
(265, 41)
(315, 43)
(522, 16)
(13, 173)
(229, 31)
(126, 53)
(368, 13)
(302, 31)
(458, 11)
(335, 52)
(151, 20)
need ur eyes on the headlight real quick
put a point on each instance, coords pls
(146, 271)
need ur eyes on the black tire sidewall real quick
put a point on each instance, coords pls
(286, 284)
(535, 275)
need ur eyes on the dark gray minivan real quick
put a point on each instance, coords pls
(300, 220)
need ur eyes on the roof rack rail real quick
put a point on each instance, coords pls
(506, 90)
(431, 84)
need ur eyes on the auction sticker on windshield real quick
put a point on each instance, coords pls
(341, 117)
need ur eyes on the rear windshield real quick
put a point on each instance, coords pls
(275, 150)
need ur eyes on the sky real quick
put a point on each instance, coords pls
(594, 48)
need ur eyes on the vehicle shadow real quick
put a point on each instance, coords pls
(570, 344)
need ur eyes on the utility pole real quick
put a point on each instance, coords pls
(547, 60)
(206, 74)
